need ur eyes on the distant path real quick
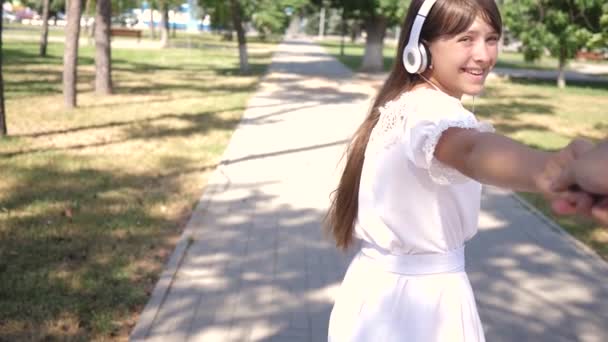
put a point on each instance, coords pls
(549, 75)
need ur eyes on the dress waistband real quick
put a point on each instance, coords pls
(415, 264)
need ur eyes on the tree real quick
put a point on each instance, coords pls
(562, 27)
(377, 16)
(152, 31)
(3, 130)
(90, 29)
(219, 12)
(164, 23)
(237, 22)
(45, 27)
(70, 54)
(103, 51)
(272, 16)
(268, 16)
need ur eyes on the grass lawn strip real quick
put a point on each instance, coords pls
(92, 201)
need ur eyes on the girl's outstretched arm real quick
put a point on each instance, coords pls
(497, 160)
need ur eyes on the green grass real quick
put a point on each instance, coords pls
(537, 114)
(516, 60)
(9, 30)
(92, 201)
(353, 53)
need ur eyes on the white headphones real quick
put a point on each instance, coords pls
(415, 54)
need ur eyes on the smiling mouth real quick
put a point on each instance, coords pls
(474, 72)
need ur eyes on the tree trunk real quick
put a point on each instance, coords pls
(322, 23)
(70, 54)
(3, 130)
(561, 76)
(152, 31)
(103, 51)
(173, 30)
(354, 31)
(45, 28)
(88, 29)
(373, 60)
(227, 36)
(342, 33)
(240, 33)
(164, 24)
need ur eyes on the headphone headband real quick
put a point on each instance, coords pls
(414, 55)
(426, 8)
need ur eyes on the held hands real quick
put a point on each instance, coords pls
(578, 182)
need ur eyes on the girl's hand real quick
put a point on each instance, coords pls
(572, 202)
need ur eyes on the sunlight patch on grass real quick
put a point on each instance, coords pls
(93, 200)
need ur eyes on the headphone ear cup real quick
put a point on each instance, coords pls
(416, 60)
(411, 59)
(425, 58)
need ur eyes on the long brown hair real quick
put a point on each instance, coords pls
(447, 18)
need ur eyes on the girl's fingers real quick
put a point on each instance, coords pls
(561, 206)
(571, 203)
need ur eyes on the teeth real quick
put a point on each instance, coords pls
(475, 72)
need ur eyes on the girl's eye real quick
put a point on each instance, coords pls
(492, 40)
(465, 39)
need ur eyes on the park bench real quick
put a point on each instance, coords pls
(125, 32)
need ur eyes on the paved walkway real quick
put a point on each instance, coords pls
(253, 266)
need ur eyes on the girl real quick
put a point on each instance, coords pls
(410, 190)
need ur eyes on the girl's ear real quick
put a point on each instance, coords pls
(429, 57)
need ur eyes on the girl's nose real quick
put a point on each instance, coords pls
(483, 52)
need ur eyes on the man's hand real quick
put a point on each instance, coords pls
(579, 179)
(588, 172)
(600, 211)
(558, 163)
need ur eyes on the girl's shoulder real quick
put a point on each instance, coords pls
(424, 100)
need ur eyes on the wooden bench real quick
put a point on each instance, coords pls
(125, 32)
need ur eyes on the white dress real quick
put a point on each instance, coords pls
(415, 214)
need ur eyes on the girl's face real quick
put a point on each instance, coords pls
(460, 64)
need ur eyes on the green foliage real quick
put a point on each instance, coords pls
(219, 10)
(272, 16)
(267, 16)
(392, 10)
(271, 20)
(560, 26)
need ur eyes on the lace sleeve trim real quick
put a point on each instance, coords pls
(389, 127)
(439, 172)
